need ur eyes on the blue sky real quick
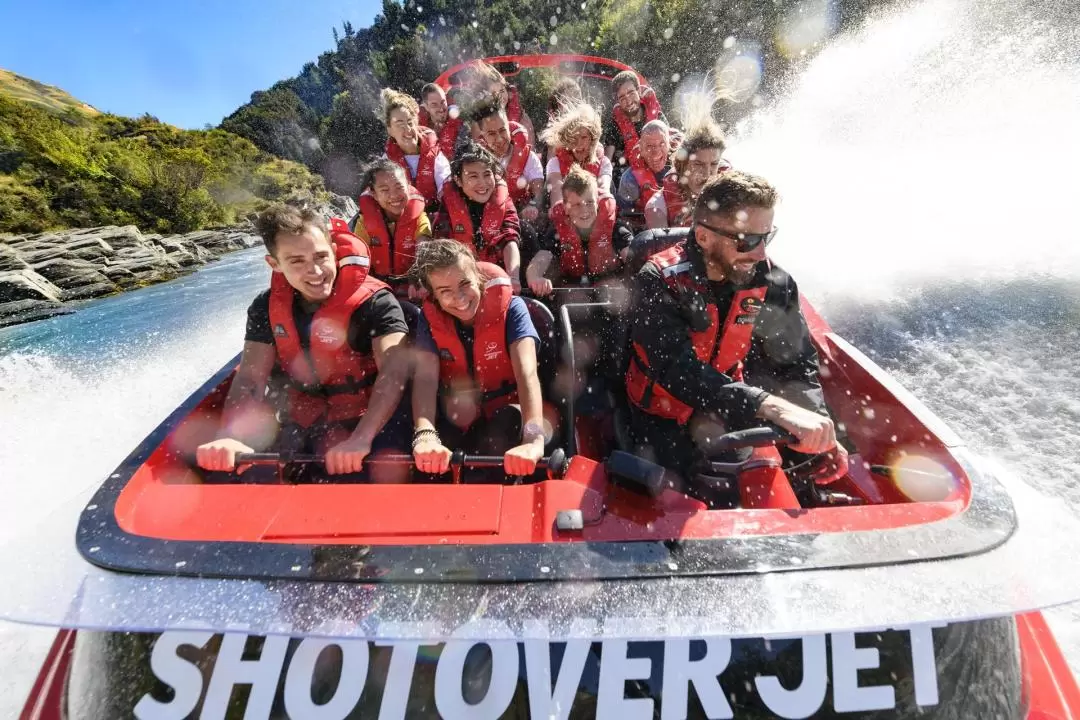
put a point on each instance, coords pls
(188, 62)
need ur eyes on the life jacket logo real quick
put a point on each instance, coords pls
(279, 331)
(746, 319)
(751, 305)
(491, 350)
(459, 228)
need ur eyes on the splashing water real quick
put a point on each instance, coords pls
(926, 163)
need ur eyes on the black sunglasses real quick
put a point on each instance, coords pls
(744, 242)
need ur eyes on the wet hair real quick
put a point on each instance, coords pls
(487, 105)
(478, 72)
(566, 92)
(376, 166)
(578, 180)
(705, 136)
(564, 127)
(469, 151)
(732, 191)
(626, 76)
(432, 255)
(393, 100)
(428, 89)
(279, 218)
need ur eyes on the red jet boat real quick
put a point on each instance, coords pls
(592, 589)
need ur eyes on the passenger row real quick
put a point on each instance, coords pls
(338, 362)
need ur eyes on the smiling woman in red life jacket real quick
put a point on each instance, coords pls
(509, 142)
(477, 352)
(391, 222)
(477, 211)
(635, 104)
(694, 163)
(718, 339)
(575, 136)
(444, 119)
(414, 148)
(482, 79)
(335, 335)
(639, 184)
(586, 241)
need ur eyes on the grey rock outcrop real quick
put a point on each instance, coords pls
(41, 273)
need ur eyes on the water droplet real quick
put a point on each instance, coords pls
(181, 564)
(554, 39)
(475, 24)
(545, 569)
(517, 45)
(675, 77)
(95, 548)
(295, 568)
(454, 111)
(668, 32)
(91, 507)
(442, 21)
(673, 566)
(404, 27)
(729, 42)
(419, 571)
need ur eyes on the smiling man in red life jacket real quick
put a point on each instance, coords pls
(696, 161)
(391, 222)
(333, 332)
(509, 142)
(586, 240)
(719, 340)
(440, 117)
(478, 353)
(414, 148)
(478, 211)
(639, 184)
(635, 105)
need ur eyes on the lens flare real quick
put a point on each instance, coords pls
(805, 27)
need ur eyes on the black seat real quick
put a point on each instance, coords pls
(412, 316)
(649, 242)
(544, 322)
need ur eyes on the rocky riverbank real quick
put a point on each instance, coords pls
(44, 274)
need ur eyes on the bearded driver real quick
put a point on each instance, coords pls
(719, 342)
(335, 333)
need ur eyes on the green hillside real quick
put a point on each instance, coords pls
(64, 164)
(46, 96)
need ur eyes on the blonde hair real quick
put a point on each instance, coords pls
(393, 100)
(564, 127)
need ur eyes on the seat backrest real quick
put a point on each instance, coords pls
(649, 242)
(412, 316)
(544, 322)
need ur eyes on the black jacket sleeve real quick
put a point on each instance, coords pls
(782, 359)
(661, 328)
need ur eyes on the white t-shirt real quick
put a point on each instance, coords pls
(533, 169)
(442, 169)
(604, 180)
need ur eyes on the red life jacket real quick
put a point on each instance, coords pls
(515, 168)
(461, 225)
(425, 167)
(651, 107)
(678, 214)
(489, 371)
(513, 104)
(391, 256)
(567, 160)
(331, 382)
(723, 347)
(448, 135)
(647, 185)
(601, 252)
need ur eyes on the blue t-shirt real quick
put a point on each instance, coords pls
(518, 325)
(630, 191)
